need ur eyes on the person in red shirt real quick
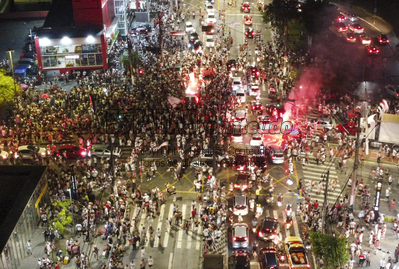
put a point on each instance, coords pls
(316, 204)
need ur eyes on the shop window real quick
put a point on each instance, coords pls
(72, 56)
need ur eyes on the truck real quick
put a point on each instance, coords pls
(213, 261)
(295, 252)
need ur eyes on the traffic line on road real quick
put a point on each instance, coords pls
(159, 226)
(275, 215)
(170, 264)
(199, 233)
(295, 224)
(180, 232)
(167, 231)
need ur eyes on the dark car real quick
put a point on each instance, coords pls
(241, 259)
(231, 64)
(190, 102)
(72, 152)
(267, 228)
(241, 161)
(30, 55)
(372, 50)
(382, 39)
(26, 61)
(259, 161)
(268, 258)
(194, 37)
(29, 47)
(249, 32)
(242, 181)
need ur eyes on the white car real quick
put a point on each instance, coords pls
(200, 164)
(356, 28)
(322, 123)
(210, 42)
(366, 40)
(236, 135)
(240, 205)
(101, 152)
(254, 90)
(240, 117)
(349, 17)
(211, 18)
(209, 9)
(256, 140)
(236, 82)
(189, 27)
(27, 152)
(4, 155)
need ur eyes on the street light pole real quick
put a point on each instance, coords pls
(325, 205)
(356, 164)
(10, 52)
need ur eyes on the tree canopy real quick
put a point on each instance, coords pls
(7, 88)
(316, 15)
(330, 249)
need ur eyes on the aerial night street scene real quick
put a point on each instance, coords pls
(214, 134)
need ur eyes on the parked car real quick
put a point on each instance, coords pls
(29, 152)
(72, 152)
(102, 151)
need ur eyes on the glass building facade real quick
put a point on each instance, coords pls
(15, 249)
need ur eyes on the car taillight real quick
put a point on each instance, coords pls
(260, 233)
(84, 153)
(397, 94)
(246, 33)
(235, 238)
(246, 238)
(308, 265)
(387, 41)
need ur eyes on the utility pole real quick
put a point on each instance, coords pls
(160, 36)
(325, 205)
(356, 164)
(129, 50)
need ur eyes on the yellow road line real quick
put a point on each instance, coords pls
(297, 179)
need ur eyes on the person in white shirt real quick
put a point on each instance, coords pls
(150, 262)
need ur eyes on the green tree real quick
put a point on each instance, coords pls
(317, 15)
(136, 60)
(280, 12)
(8, 90)
(330, 249)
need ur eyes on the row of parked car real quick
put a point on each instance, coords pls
(67, 151)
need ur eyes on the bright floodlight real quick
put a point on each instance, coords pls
(90, 39)
(44, 42)
(66, 40)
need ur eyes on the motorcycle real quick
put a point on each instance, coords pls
(288, 223)
(279, 200)
(254, 224)
(259, 211)
(270, 200)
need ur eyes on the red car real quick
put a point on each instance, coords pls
(349, 128)
(72, 152)
(245, 7)
(248, 20)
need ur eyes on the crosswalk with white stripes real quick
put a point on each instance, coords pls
(314, 173)
(190, 241)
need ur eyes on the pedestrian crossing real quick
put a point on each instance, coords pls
(192, 240)
(314, 173)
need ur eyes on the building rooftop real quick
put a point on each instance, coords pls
(17, 186)
(60, 14)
